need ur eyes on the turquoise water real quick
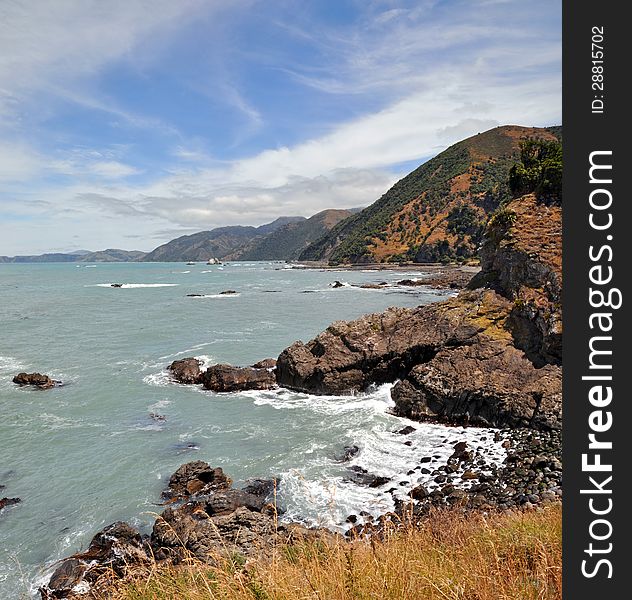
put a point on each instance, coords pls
(86, 454)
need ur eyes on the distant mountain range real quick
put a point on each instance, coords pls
(438, 212)
(109, 255)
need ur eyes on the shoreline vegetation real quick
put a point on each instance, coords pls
(511, 555)
(490, 357)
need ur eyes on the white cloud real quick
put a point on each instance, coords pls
(432, 79)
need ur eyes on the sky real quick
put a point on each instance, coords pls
(126, 123)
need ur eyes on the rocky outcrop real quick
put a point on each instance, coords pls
(226, 378)
(378, 348)
(522, 260)
(112, 551)
(220, 521)
(186, 370)
(490, 356)
(42, 382)
(196, 477)
(486, 383)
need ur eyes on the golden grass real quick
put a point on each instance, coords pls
(452, 556)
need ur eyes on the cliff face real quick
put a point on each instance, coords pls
(438, 212)
(491, 355)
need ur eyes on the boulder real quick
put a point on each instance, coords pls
(186, 370)
(42, 382)
(112, 551)
(195, 478)
(226, 378)
(266, 363)
(227, 292)
(4, 502)
(489, 383)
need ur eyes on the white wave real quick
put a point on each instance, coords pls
(376, 402)
(216, 296)
(324, 492)
(135, 285)
(163, 378)
(9, 363)
(190, 350)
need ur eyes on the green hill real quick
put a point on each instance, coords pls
(437, 212)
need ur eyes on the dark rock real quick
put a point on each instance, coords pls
(348, 453)
(352, 519)
(226, 378)
(490, 381)
(266, 363)
(228, 501)
(186, 370)
(195, 295)
(337, 284)
(116, 285)
(262, 488)
(227, 292)
(362, 477)
(461, 453)
(408, 443)
(113, 550)
(195, 478)
(42, 382)
(4, 502)
(418, 493)
(406, 430)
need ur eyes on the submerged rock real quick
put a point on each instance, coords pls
(226, 378)
(4, 502)
(186, 370)
(42, 382)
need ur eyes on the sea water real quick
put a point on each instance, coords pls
(97, 449)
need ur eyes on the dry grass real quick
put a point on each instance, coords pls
(510, 556)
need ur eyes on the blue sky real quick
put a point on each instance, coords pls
(126, 123)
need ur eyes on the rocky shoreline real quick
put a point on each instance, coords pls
(491, 357)
(207, 518)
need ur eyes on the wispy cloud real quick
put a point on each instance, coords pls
(410, 78)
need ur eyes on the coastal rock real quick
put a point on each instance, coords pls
(227, 292)
(226, 378)
(489, 383)
(186, 370)
(190, 529)
(266, 363)
(196, 477)
(4, 502)
(112, 551)
(337, 284)
(42, 382)
(263, 488)
(382, 347)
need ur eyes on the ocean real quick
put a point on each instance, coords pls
(91, 452)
